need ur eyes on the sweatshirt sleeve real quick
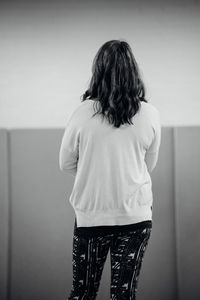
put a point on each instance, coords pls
(152, 152)
(69, 149)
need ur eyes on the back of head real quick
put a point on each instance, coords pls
(116, 84)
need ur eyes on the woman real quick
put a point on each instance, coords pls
(111, 144)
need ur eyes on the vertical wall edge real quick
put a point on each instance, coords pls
(176, 217)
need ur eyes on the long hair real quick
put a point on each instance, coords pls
(116, 83)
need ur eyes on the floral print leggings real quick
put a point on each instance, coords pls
(126, 254)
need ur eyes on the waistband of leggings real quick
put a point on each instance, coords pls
(103, 230)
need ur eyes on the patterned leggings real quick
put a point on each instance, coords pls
(126, 254)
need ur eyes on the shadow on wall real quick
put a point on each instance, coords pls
(36, 219)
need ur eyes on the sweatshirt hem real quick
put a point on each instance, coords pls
(103, 218)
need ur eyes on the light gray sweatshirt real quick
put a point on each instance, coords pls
(111, 165)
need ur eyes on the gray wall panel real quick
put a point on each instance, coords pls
(41, 216)
(4, 215)
(188, 208)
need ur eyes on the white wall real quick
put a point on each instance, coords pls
(47, 48)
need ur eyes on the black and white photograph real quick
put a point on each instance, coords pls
(99, 150)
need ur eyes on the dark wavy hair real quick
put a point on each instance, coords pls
(116, 83)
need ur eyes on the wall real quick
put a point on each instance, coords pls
(36, 219)
(47, 48)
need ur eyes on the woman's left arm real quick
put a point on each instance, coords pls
(69, 149)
